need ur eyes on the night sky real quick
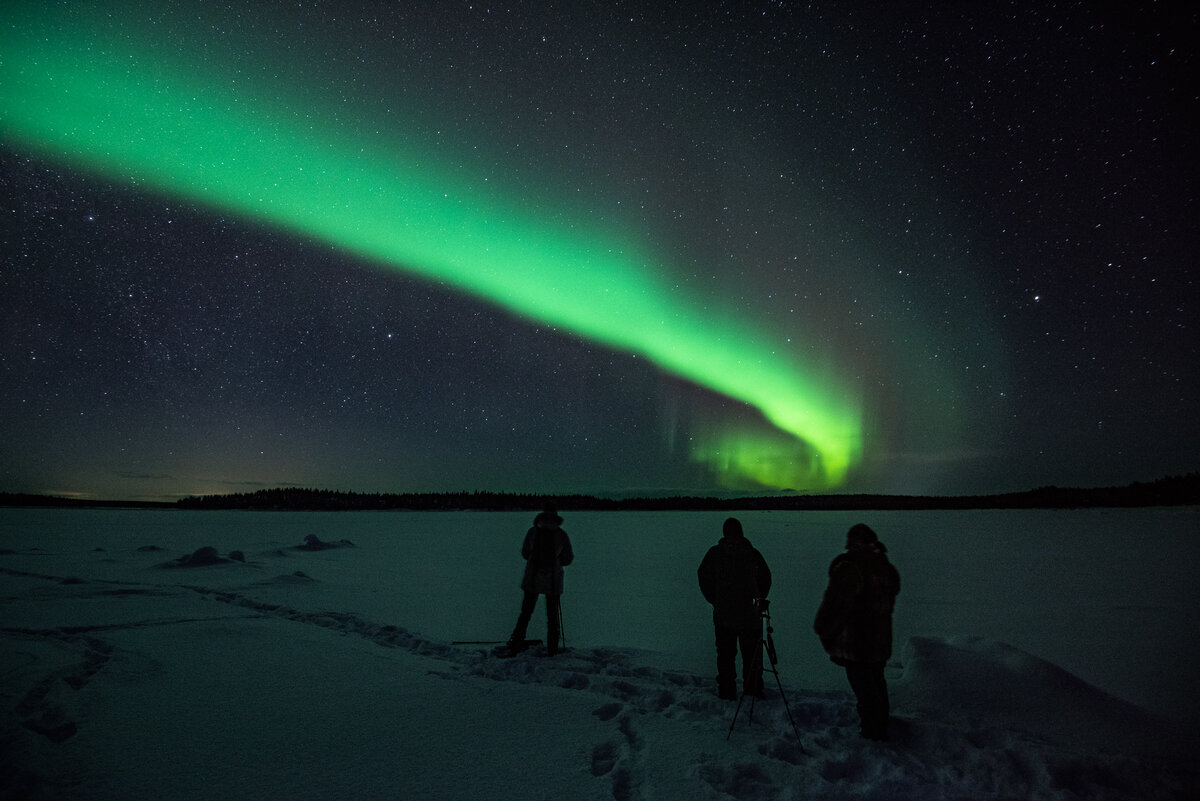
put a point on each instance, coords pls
(607, 248)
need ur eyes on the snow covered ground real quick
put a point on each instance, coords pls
(1039, 655)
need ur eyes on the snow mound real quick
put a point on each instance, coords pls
(201, 557)
(314, 543)
(979, 683)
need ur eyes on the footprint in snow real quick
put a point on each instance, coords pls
(607, 712)
(604, 758)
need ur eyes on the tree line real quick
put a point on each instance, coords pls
(1168, 491)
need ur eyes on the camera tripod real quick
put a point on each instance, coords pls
(768, 646)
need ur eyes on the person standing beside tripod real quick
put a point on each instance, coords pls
(735, 579)
(547, 550)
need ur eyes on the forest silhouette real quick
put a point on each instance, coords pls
(1168, 491)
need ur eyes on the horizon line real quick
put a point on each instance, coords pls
(782, 496)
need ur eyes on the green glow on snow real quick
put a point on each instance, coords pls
(114, 109)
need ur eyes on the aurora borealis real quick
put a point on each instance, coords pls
(754, 289)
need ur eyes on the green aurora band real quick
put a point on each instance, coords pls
(99, 104)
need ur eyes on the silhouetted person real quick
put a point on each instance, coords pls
(733, 578)
(855, 623)
(547, 549)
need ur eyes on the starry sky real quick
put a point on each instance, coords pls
(612, 248)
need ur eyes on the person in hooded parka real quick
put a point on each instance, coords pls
(735, 579)
(854, 623)
(546, 550)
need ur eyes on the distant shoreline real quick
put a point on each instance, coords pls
(1169, 491)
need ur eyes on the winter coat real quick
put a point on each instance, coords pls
(547, 549)
(732, 575)
(854, 621)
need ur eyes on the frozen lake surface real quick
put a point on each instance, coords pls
(1105, 595)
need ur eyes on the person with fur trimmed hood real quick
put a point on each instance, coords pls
(734, 577)
(854, 623)
(546, 550)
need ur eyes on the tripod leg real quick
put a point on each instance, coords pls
(755, 668)
(768, 646)
(561, 628)
(733, 722)
(782, 695)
